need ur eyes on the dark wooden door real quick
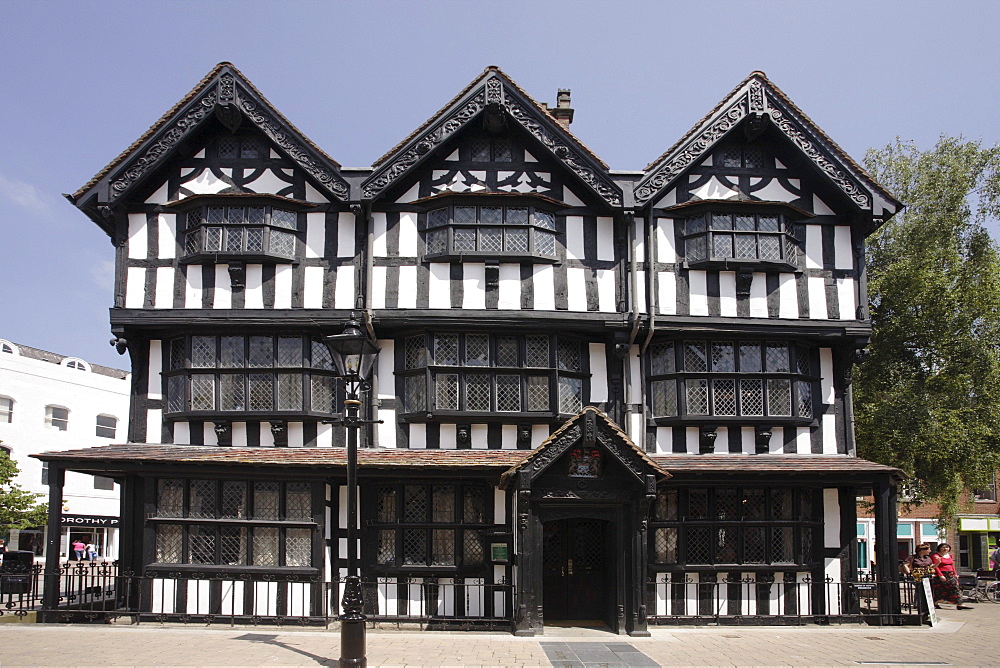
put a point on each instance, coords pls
(575, 571)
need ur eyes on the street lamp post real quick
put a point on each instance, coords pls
(353, 355)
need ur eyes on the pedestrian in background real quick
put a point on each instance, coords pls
(79, 547)
(945, 581)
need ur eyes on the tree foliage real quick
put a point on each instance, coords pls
(927, 394)
(19, 509)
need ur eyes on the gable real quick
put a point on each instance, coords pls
(223, 96)
(494, 100)
(754, 107)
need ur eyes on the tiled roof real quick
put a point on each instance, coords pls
(55, 358)
(777, 463)
(147, 453)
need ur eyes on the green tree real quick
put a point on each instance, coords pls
(19, 509)
(927, 394)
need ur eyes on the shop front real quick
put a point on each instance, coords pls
(977, 538)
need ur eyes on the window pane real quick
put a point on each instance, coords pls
(465, 215)
(770, 248)
(106, 425)
(248, 149)
(695, 356)
(261, 392)
(282, 243)
(323, 394)
(746, 246)
(746, 223)
(665, 545)
(802, 360)
(666, 504)
(722, 245)
(6, 410)
(386, 547)
(414, 547)
(570, 395)
(694, 248)
(515, 241)
(265, 500)
(265, 546)
(464, 240)
(538, 393)
(289, 391)
(298, 545)
(283, 218)
(202, 351)
(169, 498)
(289, 351)
(194, 218)
(698, 504)
(234, 499)
(234, 239)
(726, 545)
(699, 548)
(446, 349)
(782, 507)
(491, 239)
(782, 545)
(569, 358)
(201, 544)
(298, 501)
(545, 220)
(437, 217)
(517, 216)
(177, 353)
(477, 350)
(507, 351)
(215, 214)
(261, 351)
(444, 547)
(416, 393)
(490, 215)
(723, 357)
(474, 505)
(777, 357)
(202, 503)
(255, 215)
(233, 546)
(696, 225)
(508, 392)
(437, 241)
(536, 351)
(474, 552)
(192, 243)
(321, 356)
(724, 396)
(414, 503)
(233, 355)
(750, 357)
(477, 392)
(664, 393)
(168, 543)
(754, 543)
(661, 358)
(767, 223)
(697, 396)
(446, 391)
(779, 397)
(227, 147)
(545, 243)
(751, 397)
(480, 150)
(414, 357)
(805, 399)
(387, 504)
(442, 503)
(175, 394)
(232, 392)
(255, 240)
(202, 392)
(213, 239)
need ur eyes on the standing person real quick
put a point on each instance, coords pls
(995, 558)
(945, 581)
(91, 551)
(79, 547)
(3, 548)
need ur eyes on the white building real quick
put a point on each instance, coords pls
(51, 402)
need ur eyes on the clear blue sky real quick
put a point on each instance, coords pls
(79, 81)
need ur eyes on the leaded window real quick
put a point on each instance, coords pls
(748, 236)
(253, 229)
(225, 522)
(733, 526)
(490, 230)
(250, 374)
(492, 373)
(438, 526)
(730, 379)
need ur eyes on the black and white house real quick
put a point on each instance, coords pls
(605, 395)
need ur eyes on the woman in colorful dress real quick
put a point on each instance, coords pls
(945, 581)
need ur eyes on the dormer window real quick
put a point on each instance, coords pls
(241, 230)
(759, 235)
(736, 156)
(238, 147)
(490, 150)
(494, 230)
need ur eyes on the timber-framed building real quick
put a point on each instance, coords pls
(605, 395)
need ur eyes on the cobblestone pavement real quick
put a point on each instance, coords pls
(965, 638)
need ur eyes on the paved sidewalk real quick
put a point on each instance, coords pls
(965, 638)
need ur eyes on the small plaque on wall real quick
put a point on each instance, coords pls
(499, 553)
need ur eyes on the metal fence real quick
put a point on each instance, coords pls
(99, 591)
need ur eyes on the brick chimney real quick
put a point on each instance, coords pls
(562, 112)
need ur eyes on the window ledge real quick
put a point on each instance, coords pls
(737, 264)
(505, 258)
(725, 421)
(233, 522)
(428, 417)
(246, 258)
(250, 416)
(214, 570)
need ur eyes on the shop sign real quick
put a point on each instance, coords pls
(91, 521)
(499, 553)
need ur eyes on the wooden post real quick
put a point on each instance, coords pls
(53, 536)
